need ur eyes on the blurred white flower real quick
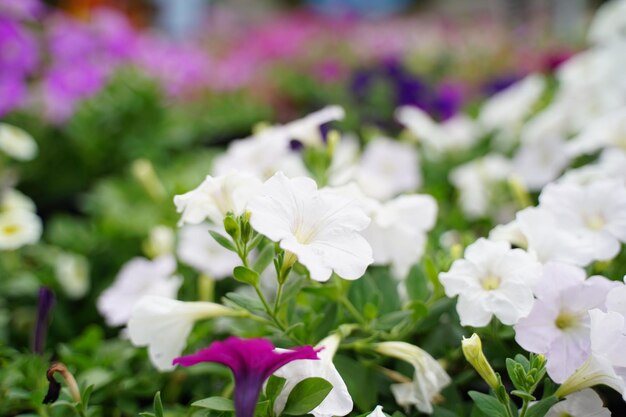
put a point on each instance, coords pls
(609, 23)
(72, 272)
(398, 230)
(505, 111)
(456, 134)
(19, 228)
(198, 249)
(12, 200)
(16, 143)
(492, 279)
(585, 403)
(307, 129)
(163, 324)
(510, 232)
(606, 131)
(138, 277)
(546, 241)
(345, 161)
(540, 161)
(319, 228)
(610, 165)
(558, 325)
(616, 299)
(388, 168)
(596, 213)
(477, 182)
(429, 377)
(215, 197)
(160, 241)
(338, 402)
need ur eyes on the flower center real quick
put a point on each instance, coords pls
(490, 282)
(565, 320)
(10, 229)
(595, 222)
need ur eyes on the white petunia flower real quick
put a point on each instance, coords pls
(215, 197)
(538, 162)
(492, 279)
(388, 168)
(610, 165)
(307, 130)
(429, 377)
(338, 402)
(377, 412)
(198, 249)
(398, 230)
(546, 241)
(19, 228)
(606, 131)
(477, 182)
(609, 23)
(72, 272)
(506, 110)
(456, 134)
(160, 242)
(510, 232)
(616, 299)
(16, 143)
(319, 228)
(585, 403)
(163, 324)
(596, 213)
(558, 325)
(139, 277)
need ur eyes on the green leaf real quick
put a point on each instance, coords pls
(417, 284)
(488, 404)
(216, 403)
(246, 275)
(512, 368)
(275, 385)
(144, 414)
(262, 408)
(523, 395)
(245, 302)
(158, 406)
(85, 396)
(223, 240)
(231, 226)
(264, 258)
(307, 395)
(541, 408)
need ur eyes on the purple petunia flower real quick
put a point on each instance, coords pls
(252, 361)
(44, 308)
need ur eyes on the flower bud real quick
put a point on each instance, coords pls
(473, 352)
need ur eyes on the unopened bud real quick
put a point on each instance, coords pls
(55, 387)
(473, 352)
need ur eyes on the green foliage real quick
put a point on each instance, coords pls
(306, 395)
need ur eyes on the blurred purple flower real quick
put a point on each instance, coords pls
(22, 9)
(448, 101)
(500, 83)
(70, 40)
(44, 308)
(252, 361)
(12, 92)
(115, 34)
(18, 48)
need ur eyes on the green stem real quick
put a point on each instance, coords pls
(277, 323)
(524, 408)
(353, 311)
(279, 293)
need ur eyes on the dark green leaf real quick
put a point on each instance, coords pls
(243, 301)
(488, 404)
(264, 259)
(307, 395)
(216, 403)
(158, 406)
(274, 386)
(246, 275)
(223, 240)
(417, 284)
(541, 408)
(261, 409)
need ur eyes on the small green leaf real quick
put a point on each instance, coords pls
(262, 408)
(307, 395)
(488, 404)
(216, 403)
(158, 406)
(246, 275)
(223, 240)
(85, 396)
(523, 395)
(144, 414)
(541, 408)
(264, 258)
(243, 301)
(274, 386)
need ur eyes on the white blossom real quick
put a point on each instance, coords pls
(319, 228)
(429, 377)
(163, 324)
(377, 412)
(72, 272)
(137, 278)
(585, 403)
(492, 279)
(216, 197)
(16, 143)
(609, 23)
(198, 249)
(19, 228)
